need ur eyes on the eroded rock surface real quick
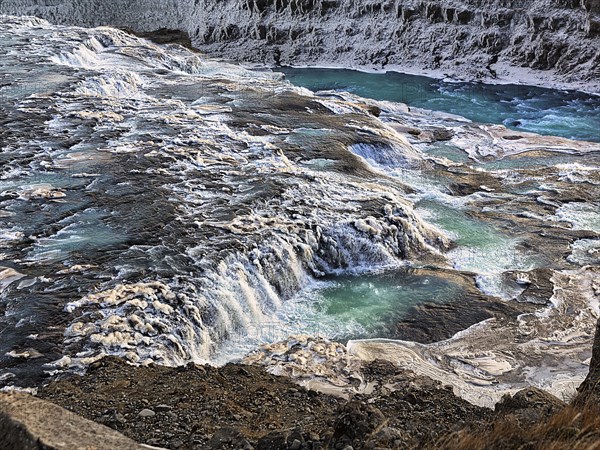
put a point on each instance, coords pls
(28, 423)
(558, 41)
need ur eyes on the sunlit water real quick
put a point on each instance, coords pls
(370, 305)
(343, 307)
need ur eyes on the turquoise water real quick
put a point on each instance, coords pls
(570, 114)
(481, 248)
(83, 232)
(368, 305)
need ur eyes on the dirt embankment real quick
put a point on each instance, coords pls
(243, 407)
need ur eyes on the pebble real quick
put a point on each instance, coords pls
(146, 413)
(163, 408)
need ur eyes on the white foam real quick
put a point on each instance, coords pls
(582, 216)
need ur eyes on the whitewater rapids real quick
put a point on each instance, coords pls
(181, 198)
(161, 206)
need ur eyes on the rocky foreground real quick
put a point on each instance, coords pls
(243, 407)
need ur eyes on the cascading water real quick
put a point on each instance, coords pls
(177, 213)
(164, 207)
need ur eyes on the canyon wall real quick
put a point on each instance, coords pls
(550, 40)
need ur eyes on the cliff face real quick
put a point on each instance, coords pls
(465, 38)
(589, 391)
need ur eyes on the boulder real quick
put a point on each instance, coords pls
(228, 438)
(29, 423)
(530, 406)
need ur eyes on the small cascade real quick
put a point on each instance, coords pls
(172, 228)
(382, 155)
(174, 322)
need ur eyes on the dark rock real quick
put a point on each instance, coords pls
(273, 441)
(112, 418)
(375, 110)
(355, 423)
(287, 439)
(589, 391)
(536, 284)
(167, 36)
(430, 322)
(530, 405)
(442, 134)
(228, 438)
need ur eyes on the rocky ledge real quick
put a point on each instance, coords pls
(29, 423)
(243, 407)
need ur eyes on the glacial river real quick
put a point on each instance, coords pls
(160, 206)
(571, 114)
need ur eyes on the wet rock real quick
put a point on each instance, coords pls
(442, 134)
(431, 322)
(413, 131)
(436, 134)
(536, 284)
(374, 110)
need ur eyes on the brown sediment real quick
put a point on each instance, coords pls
(238, 405)
(242, 406)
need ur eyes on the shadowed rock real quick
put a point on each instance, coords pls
(28, 423)
(530, 406)
(589, 391)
